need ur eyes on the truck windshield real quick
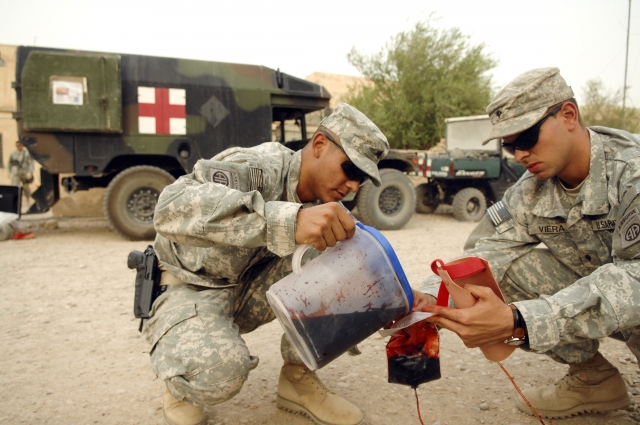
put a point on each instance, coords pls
(297, 128)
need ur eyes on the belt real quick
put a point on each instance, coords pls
(167, 278)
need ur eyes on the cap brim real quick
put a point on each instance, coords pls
(515, 125)
(365, 164)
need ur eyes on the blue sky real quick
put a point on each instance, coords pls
(585, 39)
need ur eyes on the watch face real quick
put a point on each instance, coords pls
(514, 341)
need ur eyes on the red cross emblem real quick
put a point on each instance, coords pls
(162, 110)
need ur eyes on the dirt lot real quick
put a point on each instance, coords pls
(72, 354)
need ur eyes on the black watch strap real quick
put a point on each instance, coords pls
(519, 328)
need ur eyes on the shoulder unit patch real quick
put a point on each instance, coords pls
(227, 178)
(630, 228)
(498, 213)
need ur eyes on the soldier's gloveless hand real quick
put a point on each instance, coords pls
(421, 299)
(324, 225)
(489, 320)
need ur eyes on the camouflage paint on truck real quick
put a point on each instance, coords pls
(94, 115)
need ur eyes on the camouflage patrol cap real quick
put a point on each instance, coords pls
(525, 100)
(361, 139)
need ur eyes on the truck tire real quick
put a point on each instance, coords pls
(426, 198)
(469, 205)
(131, 198)
(390, 206)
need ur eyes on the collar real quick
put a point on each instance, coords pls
(593, 194)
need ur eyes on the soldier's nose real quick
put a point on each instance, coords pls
(353, 186)
(519, 155)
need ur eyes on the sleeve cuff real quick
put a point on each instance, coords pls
(281, 226)
(542, 328)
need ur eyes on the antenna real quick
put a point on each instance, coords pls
(626, 60)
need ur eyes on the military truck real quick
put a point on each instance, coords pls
(132, 124)
(468, 175)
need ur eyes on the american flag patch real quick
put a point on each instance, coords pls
(255, 175)
(498, 213)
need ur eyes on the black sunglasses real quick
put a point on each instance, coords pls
(350, 169)
(528, 138)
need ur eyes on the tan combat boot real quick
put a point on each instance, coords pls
(301, 391)
(593, 386)
(178, 412)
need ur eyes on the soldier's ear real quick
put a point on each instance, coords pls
(569, 113)
(319, 143)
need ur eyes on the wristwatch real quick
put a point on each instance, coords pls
(519, 334)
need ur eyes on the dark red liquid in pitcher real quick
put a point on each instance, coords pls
(330, 336)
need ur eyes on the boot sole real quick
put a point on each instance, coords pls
(599, 407)
(291, 407)
(169, 422)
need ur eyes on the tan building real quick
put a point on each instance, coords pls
(8, 130)
(8, 127)
(338, 85)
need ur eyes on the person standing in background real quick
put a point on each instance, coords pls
(21, 169)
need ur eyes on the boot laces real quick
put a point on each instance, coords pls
(579, 377)
(571, 379)
(312, 378)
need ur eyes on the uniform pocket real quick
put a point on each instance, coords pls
(181, 345)
(162, 323)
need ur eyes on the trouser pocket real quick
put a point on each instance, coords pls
(177, 344)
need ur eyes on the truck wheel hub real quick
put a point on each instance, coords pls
(473, 206)
(390, 201)
(142, 203)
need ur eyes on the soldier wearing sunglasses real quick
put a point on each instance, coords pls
(226, 233)
(563, 243)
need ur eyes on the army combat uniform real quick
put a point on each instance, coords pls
(21, 170)
(585, 282)
(225, 235)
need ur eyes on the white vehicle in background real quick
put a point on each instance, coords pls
(468, 175)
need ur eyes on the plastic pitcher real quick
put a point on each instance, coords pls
(341, 297)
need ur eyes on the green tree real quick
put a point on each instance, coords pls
(602, 106)
(418, 79)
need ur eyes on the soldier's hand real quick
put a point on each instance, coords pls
(489, 320)
(420, 299)
(324, 225)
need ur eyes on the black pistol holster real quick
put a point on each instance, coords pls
(147, 285)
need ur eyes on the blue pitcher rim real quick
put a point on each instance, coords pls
(393, 258)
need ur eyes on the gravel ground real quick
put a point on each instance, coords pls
(72, 354)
